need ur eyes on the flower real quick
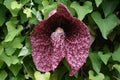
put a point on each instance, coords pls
(60, 36)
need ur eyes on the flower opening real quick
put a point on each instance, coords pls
(57, 37)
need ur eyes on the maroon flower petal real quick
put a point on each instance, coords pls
(77, 39)
(77, 46)
(49, 47)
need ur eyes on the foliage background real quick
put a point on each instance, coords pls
(18, 18)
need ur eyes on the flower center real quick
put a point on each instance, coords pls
(59, 30)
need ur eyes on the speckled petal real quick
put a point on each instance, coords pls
(77, 46)
(47, 49)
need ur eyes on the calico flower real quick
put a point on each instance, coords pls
(60, 36)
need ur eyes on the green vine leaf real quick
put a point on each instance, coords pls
(105, 25)
(82, 10)
(48, 8)
(9, 59)
(96, 62)
(28, 12)
(109, 6)
(1, 49)
(98, 2)
(104, 57)
(117, 66)
(2, 14)
(13, 7)
(99, 76)
(1, 63)
(39, 76)
(116, 54)
(12, 30)
(15, 69)
(3, 74)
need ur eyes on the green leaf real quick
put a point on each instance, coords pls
(3, 75)
(67, 77)
(9, 51)
(45, 3)
(23, 17)
(109, 6)
(63, 1)
(117, 66)
(1, 63)
(33, 20)
(104, 57)
(12, 30)
(39, 76)
(48, 8)
(105, 25)
(18, 77)
(98, 2)
(14, 59)
(28, 44)
(23, 52)
(107, 78)
(116, 54)
(99, 76)
(58, 73)
(29, 68)
(28, 12)
(2, 14)
(38, 1)
(82, 10)
(96, 62)
(1, 49)
(9, 59)
(17, 42)
(1, 1)
(37, 14)
(15, 69)
(13, 6)
(10, 47)
(23, 2)
(6, 59)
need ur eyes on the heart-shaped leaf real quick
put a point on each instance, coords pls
(98, 2)
(39, 76)
(13, 6)
(116, 54)
(28, 12)
(23, 52)
(11, 46)
(15, 69)
(105, 25)
(9, 59)
(96, 62)
(12, 30)
(82, 10)
(3, 75)
(59, 73)
(48, 8)
(1, 49)
(109, 6)
(99, 76)
(1, 63)
(2, 14)
(117, 66)
(104, 57)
